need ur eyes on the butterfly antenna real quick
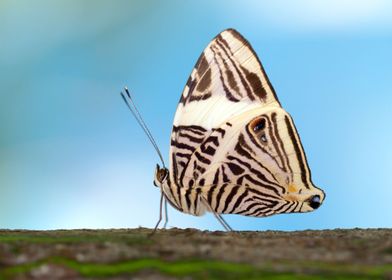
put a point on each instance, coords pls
(129, 101)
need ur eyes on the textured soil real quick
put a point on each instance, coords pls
(194, 254)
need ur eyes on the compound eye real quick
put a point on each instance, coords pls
(260, 125)
(163, 174)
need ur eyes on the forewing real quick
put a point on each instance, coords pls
(227, 80)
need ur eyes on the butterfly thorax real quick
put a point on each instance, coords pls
(173, 193)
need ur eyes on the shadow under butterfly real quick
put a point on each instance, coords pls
(234, 149)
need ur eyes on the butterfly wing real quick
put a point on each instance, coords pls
(245, 168)
(225, 95)
(227, 79)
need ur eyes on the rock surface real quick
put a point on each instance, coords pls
(194, 254)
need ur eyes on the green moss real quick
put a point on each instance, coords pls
(339, 268)
(175, 268)
(55, 237)
(201, 269)
(388, 251)
(9, 272)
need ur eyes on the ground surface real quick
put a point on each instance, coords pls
(193, 254)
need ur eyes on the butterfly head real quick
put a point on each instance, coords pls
(160, 176)
(277, 146)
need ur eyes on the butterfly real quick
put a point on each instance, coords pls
(233, 149)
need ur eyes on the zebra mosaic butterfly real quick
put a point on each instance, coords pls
(234, 149)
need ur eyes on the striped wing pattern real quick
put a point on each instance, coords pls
(228, 67)
(232, 143)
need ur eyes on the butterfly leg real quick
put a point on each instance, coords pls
(217, 216)
(160, 215)
(166, 215)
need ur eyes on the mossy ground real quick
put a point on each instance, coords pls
(192, 254)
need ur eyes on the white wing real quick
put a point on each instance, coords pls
(227, 80)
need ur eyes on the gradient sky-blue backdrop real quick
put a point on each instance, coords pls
(71, 156)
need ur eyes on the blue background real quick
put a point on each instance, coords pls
(71, 156)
